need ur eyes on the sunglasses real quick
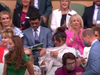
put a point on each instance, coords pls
(36, 23)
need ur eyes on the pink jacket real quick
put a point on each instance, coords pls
(77, 43)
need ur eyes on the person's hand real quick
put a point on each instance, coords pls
(54, 53)
(44, 19)
(94, 23)
(78, 73)
(83, 61)
(43, 63)
(42, 52)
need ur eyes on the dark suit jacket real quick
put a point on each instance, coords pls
(17, 16)
(2, 8)
(93, 64)
(45, 37)
(45, 9)
(88, 16)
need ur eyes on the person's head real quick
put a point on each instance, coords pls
(88, 36)
(26, 2)
(29, 53)
(6, 35)
(97, 2)
(75, 21)
(97, 32)
(65, 4)
(34, 20)
(69, 61)
(5, 19)
(59, 37)
(17, 52)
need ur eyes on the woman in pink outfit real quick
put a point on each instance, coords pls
(74, 34)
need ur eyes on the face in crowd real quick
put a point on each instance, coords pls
(97, 2)
(64, 4)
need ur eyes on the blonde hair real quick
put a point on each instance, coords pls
(8, 33)
(31, 2)
(69, 7)
(71, 19)
(29, 53)
(5, 13)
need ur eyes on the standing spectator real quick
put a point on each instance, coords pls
(45, 9)
(92, 67)
(61, 16)
(21, 14)
(69, 67)
(91, 16)
(37, 34)
(16, 61)
(74, 34)
(5, 22)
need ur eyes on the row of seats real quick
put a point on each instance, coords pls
(79, 8)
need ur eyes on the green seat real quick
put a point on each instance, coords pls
(7, 8)
(79, 8)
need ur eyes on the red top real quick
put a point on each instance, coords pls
(1, 53)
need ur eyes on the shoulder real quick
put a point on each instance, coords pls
(57, 10)
(2, 47)
(79, 69)
(26, 58)
(68, 31)
(59, 71)
(46, 29)
(72, 12)
(19, 8)
(33, 8)
(89, 8)
(27, 30)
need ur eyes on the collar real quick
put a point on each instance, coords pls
(38, 29)
(93, 42)
(96, 7)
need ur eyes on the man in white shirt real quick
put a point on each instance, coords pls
(90, 15)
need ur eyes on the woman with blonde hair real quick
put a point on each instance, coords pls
(21, 14)
(61, 16)
(74, 34)
(6, 21)
(37, 70)
(6, 35)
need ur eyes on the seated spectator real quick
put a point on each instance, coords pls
(6, 35)
(91, 16)
(2, 8)
(61, 16)
(69, 67)
(6, 21)
(16, 61)
(45, 9)
(37, 70)
(74, 34)
(37, 34)
(51, 58)
(21, 14)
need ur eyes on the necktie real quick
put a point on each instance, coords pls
(36, 35)
(98, 14)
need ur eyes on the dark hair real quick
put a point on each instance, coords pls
(67, 56)
(15, 56)
(34, 16)
(89, 32)
(59, 34)
(97, 29)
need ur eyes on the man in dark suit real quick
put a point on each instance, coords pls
(37, 34)
(45, 9)
(93, 64)
(2, 8)
(90, 15)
